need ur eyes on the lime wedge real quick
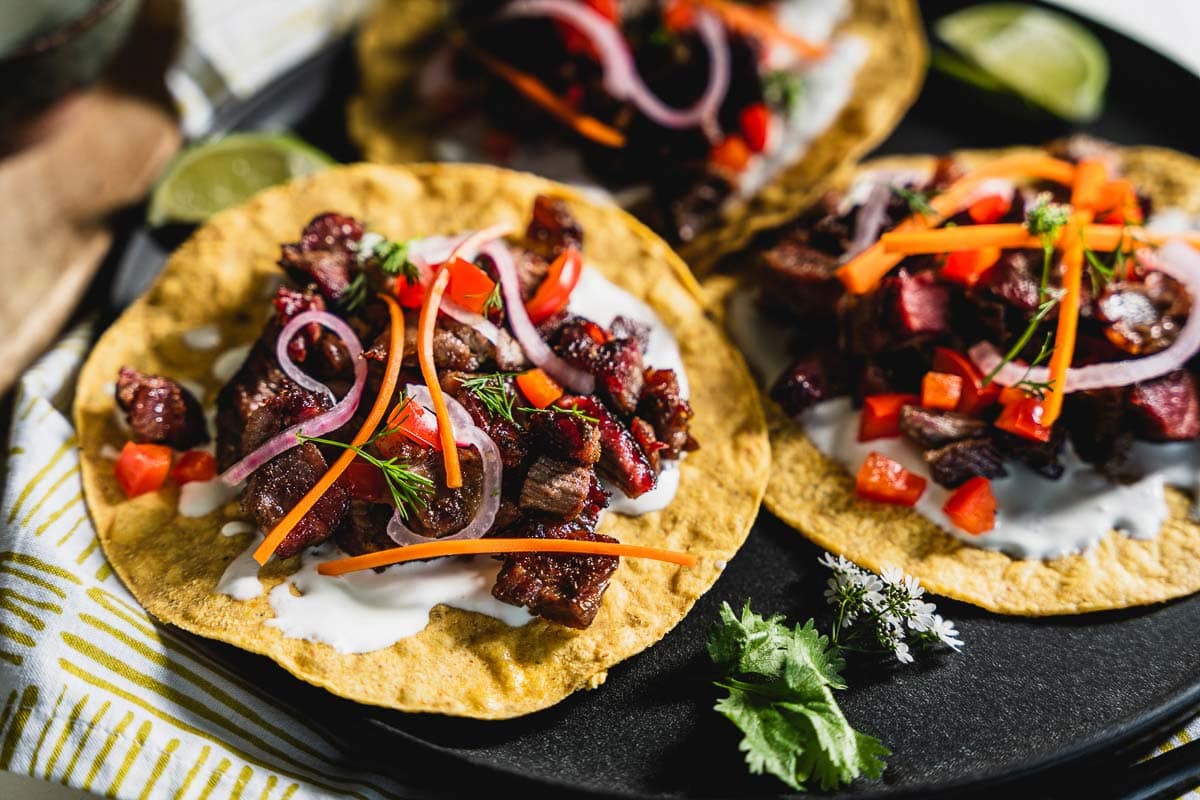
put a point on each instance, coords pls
(215, 175)
(1046, 57)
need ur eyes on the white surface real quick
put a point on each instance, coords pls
(1168, 26)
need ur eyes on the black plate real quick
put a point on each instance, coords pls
(1056, 705)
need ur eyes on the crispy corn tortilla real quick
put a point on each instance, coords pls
(815, 495)
(400, 36)
(463, 663)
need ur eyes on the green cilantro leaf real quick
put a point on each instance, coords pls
(780, 683)
(783, 89)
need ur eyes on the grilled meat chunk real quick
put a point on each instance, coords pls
(920, 304)
(448, 510)
(932, 429)
(1015, 279)
(1166, 409)
(290, 303)
(566, 436)
(293, 404)
(800, 278)
(455, 346)
(364, 528)
(275, 487)
(810, 379)
(662, 406)
(643, 434)
(556, 488)
(553, 228)
(1143, 318)
(325, 254)
(622, 460)
(508, 436)
(159, 410)
(628, 328)
(1041, 457)
(1098, 426)
(619, 374)
(956, 462)
(566, 589)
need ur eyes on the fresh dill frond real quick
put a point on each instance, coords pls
(492, 391)
(570, 412)
(355, 294)
(409, 488)
(1038, 388)
(918, 202)
(1043, 310)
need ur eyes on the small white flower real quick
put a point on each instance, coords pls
(839, 564)
(903, 654)
(946, 633)
(921, 615)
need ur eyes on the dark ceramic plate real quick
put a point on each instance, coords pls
(1051, 706)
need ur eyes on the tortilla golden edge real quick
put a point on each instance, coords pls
(389, 50)
(814, 495)
(465, 664)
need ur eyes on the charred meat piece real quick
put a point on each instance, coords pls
(448, 510)
(578, 340)
(556, 488)
(952, 465)
(807, 382)
(257, 381)
(531, 270)
(566, 436)
(159, 410)
(566, 589)
(920, 303)
(668, 413)
(507, 435)
(932, 429)
(275, 488)
(1098, 426)
(643, 434)
(619, 374)
(1041, 457)
(455, 346)
(364, 528)
(325, 254)
(292, 405)
(553, 228)
(290, 303)
(622, 460)
(628, 328)
(1166, 409)
(1016, 278)
(801, 279)
(686, 200)
(1143, 318)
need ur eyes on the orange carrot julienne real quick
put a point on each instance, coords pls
(537, 92)
(1091, 175)
(861, 273)
(761, 23)
(467, 547)
(965, 237)
(391, 375)
(425, 326)
(1068, 317)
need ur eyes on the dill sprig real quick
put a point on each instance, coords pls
(409, 488)
(492, 391)
(355, 294)
(1045, 308)
(1038, 388)
(570, 412)
(494, 301)
(918, 202)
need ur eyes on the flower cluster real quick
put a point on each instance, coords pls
(883, 613)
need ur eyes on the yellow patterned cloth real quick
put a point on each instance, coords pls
(95, 694)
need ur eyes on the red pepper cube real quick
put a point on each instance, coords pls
(363, 481)
(469, 286)
(1012, 394)
(989, 209)
(1024, 418)
(975, 396)
(972, 507)
(880, 418)
(967, 267)
(941, 390)
(731, 154)
(142, 468)
(194, 465)
(887, 481)
(413, 422)
(755, 122)
(539, 388)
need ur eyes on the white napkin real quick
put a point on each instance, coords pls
(94, 693)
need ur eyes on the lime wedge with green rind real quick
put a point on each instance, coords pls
(1046, 57)
(215, 175)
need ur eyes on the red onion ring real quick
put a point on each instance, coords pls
(621, 78)
(870, 219)
(425, 253)
(1176, 259)
(489, 454)
(341, 413)
(577, 380)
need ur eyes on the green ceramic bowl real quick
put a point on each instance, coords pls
(49, 47)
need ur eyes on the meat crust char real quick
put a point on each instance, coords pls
(160, 411)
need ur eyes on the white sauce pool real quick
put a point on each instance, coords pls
(206, 337)
(236, 527)
(227, 364)
(198, 498)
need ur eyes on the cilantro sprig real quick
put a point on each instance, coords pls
(918, 201)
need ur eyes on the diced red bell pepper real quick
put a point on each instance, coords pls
(975, 396)
(469, 285)
(412, 295)
(555, 290)
(142, 468)
(887, 481)
(1011, 394)
(1024, 418)
(941, 390)
(363, 481)
(1119, 204)
(576, 42)
(539, 388)
(731, 153)
(972, 507)
(413, 422)
(194, 465)
(678, 15)
(966, 267)
(755, 122)
(880, 418)
(987, 210)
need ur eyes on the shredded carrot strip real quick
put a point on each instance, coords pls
(861, 273)
(1090, 177)
(1106, 238)
(1068, 317)
(391, 374)
(467, 547)
(966, 237)
(537, 92)
(761, 23)
(425, 326)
